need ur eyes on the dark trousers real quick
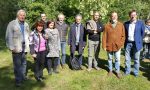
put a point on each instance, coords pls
(52, 62)
(20, 64)
(146, 51)
(79, 55)
(39, 64)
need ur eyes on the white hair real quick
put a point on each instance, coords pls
(78, 15)
(61, 14)
(21, 10)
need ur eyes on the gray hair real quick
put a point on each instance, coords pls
(61, 14)
(78, 15)
(21, 10)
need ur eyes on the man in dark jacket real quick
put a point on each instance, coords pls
(94, 28)
(77, 38)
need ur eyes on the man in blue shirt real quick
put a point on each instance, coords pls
(134, 30)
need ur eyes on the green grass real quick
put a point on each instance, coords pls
(73, 80)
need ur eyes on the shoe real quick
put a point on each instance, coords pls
(56, 72)
(110, 73)
(65, 66)
(97, 68)
(18, 84)
(39, 79)
(89, 69)
(50, 73)
(118, 75)
(25, 78)
(43, 78)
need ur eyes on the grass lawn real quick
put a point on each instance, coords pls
(68, 79)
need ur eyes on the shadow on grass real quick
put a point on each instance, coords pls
(145, 68)
(7, 81)
(102, 63)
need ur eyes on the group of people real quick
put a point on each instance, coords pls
(47, 43)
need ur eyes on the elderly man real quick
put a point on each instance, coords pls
(77, 39)
(134, 30)
(17, 40)
(63, 29)
(94, 28)
(112, 41)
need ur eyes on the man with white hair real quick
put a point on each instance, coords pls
(77, 39)
(63, 29)
(17, 40)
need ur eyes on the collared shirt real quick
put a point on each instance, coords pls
(22, 30)
(114, 24)
(77, 33)
(131, 31)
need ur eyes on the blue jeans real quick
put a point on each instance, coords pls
(136, 56)
(117, 60)
(20, 63)
(62, 54)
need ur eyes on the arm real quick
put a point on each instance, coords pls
(101, 28)
(89, 28)
(143, 30)
(123, 35)
(104, 38)
(9, 37)
(84, 37)
(31, 43)
(69, 36)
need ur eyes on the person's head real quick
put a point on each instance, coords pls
(78, 19)
(39, 25)
(43, 17)
(21, 14)
(96, 15)
(61, 17)
(147, 22)
(51, 24)
(114, 16)
(133, 15)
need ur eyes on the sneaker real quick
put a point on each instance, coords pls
(110, 73)
(89, 69)
(118, 75)
(97, 68)
(39, 79)
(65, 66)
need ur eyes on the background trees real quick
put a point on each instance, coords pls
(70, 8)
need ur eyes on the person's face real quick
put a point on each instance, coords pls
(114, 16)
(39, 28)
(133, 16)
(43, 17)
(96, 16)
(148, 23)
(61, 18)
(21, 16)
(78, 19)
(51, 25)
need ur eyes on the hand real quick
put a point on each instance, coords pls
(46, 36)
(104, 49)
(14, 51)
(34, 55)
(95, 32)
(82, 47)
